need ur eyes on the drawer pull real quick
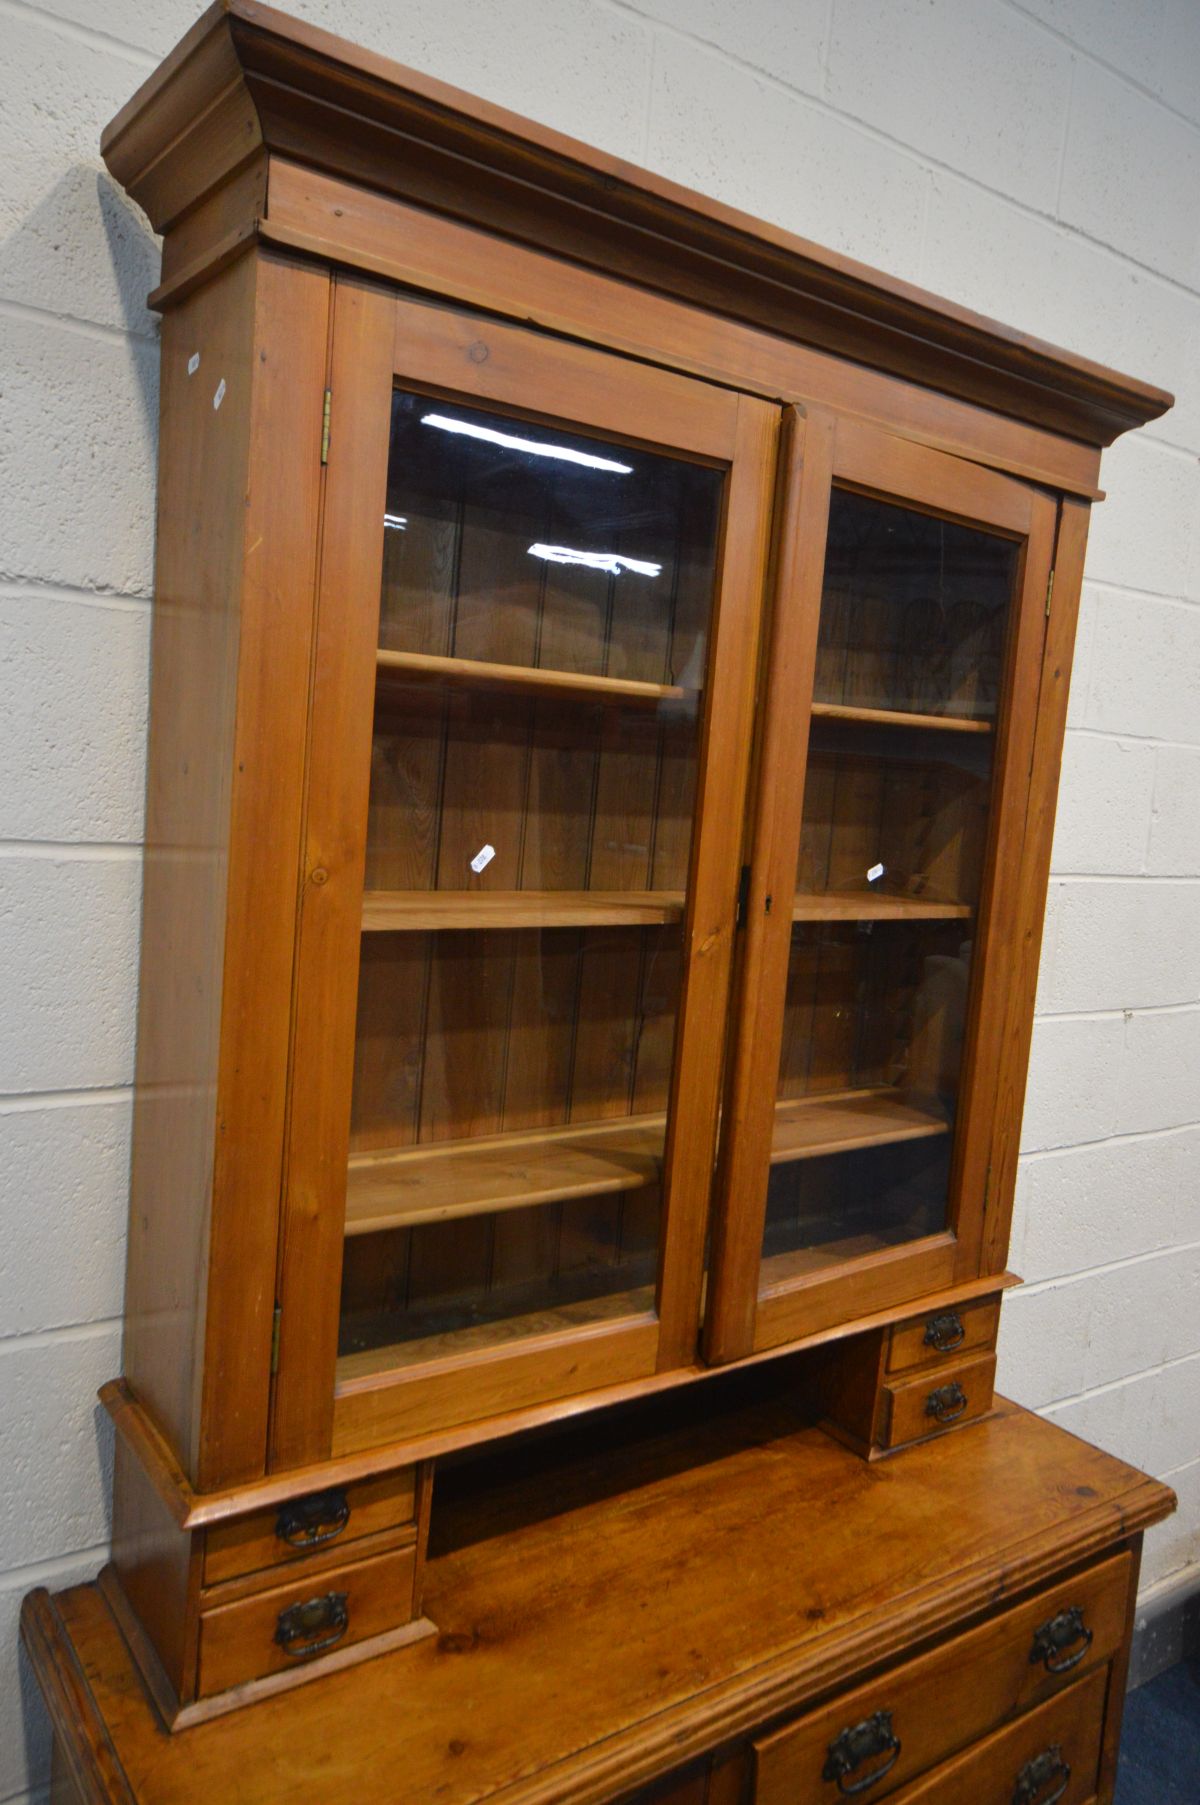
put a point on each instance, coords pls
(945, 1333)
(1060, 1633)
(308, 1628)
(307, 1522)
(1042, 1771)
(861, 1742)
(947, 1403)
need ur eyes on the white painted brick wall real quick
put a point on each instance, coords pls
(1036, 159)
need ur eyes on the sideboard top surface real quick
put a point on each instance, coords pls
(680, 1589)
(248, 80)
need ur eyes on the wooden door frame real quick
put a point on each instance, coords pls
(844, 451)
(379, 339)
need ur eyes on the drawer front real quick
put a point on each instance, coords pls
(940, 1334)
(954, 1393)
(1052, 1753)
(273, 1632)
(320, 1520)
(904, 1723)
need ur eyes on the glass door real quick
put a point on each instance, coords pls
(909, 618)
(557, 624)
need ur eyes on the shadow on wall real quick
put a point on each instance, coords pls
(76, 270)
(135, 254)
(87, 254)
(34, 1723)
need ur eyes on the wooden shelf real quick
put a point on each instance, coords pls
(529, 1317)
(527, 679)
(896, 717)
(389, 911)
(867, 905)
(439, 1180)
(838, 1121)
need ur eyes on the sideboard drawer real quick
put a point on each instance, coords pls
(318, 1520)
(907, 1721)
(937, 1399)
(940, 1334)
(1050, 1753)
(256, 1636)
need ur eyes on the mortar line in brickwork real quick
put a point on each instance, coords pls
(33, 315)
(80, 34)
(1144, 595)
(16, 1103)
(74, 851)
(1097, 1391)
(1131, 81)
(1172, 1251)
(35, 589)
(25, 1341)
(1126, 1137)
(44, 1573)
(1123, 877)
(1140, 739)
(923, 158)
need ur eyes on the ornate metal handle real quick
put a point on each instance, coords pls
(1039, 1772)
(859, 1743)
(1059, 1633)
(307, 1522)
(308, 1628)
(947, 1403)
(945, 1333)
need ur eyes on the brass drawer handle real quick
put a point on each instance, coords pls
(1059, 1633)
(859, 1743)
(308, 1628)
(307, 1522)
(945, 1333)
(1041, 1771)
(947, 1403)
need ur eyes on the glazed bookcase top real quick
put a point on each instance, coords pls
(248, 80)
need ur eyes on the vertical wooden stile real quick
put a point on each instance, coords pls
(740, 1198)
(1053, 695)
(716, 862)
(331, 870)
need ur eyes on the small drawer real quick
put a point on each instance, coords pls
(933, 1401)
(1052, 1753)
(906, 1722)
(318, 1520)
(940, 1334)
(282, 1629)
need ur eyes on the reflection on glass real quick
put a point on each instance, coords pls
(469, 576)
(543, 638)
(914, 623)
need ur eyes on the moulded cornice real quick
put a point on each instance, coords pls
(248, 80)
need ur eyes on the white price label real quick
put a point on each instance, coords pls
(483, 858)
(874, 872)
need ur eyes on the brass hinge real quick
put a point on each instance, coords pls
(275, 1322)
(325, 426)
(1049, 587)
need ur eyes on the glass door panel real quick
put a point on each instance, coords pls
(543, 639)
(537, 620)
(908, 616)
(914, 614)
(913, 624)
